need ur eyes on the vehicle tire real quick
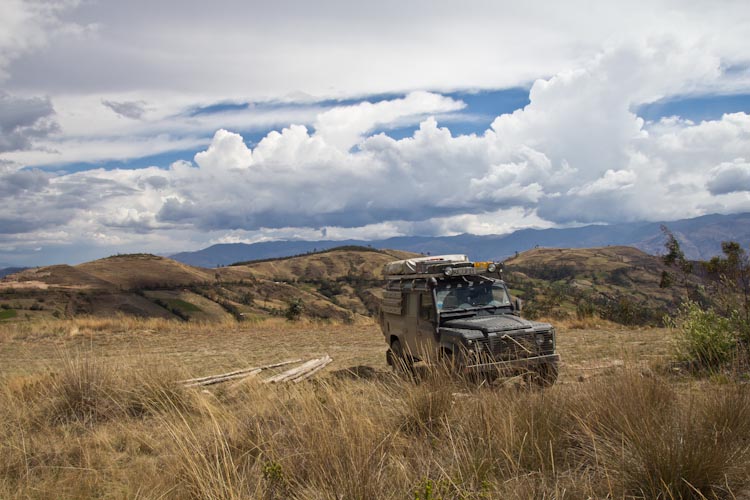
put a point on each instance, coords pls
(546, 375)
(389, 357)
(401, 362)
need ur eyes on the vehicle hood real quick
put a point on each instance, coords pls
(498, 323)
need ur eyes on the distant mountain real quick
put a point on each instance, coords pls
(700, 238)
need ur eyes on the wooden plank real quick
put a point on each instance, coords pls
(219, 380)
(244, 379)
(224, 376)
(325, 362)
(294, 372)
(392, 294)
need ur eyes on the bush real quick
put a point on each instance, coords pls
(704, 337)
(294, 310)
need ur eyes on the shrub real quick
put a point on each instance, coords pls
(294, 310)
(83, 391)
(704, 337)
(585, 309)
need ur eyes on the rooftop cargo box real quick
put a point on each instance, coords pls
(413, 266)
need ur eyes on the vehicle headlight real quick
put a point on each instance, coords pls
(492, 267)
(448, 271)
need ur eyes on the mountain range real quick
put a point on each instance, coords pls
(700, 239)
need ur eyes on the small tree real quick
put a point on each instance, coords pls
(711, 337)
(294, 310)
(733, 293)
(675, 258)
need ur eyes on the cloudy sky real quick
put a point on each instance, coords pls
(172, 125)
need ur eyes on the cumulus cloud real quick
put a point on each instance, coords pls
(577, 153)
(23, 120)
(730, 177)
(345, 126)
(26, 26)
(227, 150)
(24, 181)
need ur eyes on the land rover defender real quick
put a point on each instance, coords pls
(450, 310)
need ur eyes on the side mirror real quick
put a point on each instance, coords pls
(517, 305)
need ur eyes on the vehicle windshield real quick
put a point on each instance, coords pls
(467, 294)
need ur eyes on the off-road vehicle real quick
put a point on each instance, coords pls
(459, 313)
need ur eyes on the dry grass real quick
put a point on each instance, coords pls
(95, 423)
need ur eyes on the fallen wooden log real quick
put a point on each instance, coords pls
(243, 380)
(223, 377)
(293, 372)
(325, 362)
(303, 369)
(219, 380)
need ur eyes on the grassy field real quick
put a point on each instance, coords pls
(90, 408)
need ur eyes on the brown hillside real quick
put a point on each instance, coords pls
(621, 280)
(59, 276)
(145, 271)
(333, 265)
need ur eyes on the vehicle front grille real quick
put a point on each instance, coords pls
(547, 345)
(507, 347)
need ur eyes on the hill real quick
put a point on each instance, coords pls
(5, 271)
(333, 284)
(137, 271)
(331, 265)
(617, 283)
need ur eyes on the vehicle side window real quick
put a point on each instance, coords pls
(426, 310)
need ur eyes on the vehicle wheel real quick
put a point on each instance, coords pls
(389, 357)
(400, 362)
(546, 375)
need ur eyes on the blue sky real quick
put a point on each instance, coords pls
(190, 126)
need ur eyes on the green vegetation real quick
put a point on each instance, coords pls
(176, 310)
(294, 310)
(7, 313)
(182, 304)
(704, 338)
(712, 335)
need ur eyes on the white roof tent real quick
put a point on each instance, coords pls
(439, 265)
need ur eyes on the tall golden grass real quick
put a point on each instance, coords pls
(94, 429)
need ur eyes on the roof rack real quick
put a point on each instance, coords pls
(437, 267)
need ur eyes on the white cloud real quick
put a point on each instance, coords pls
(730, 177)
(344, 126)
(577, 153)
(23, 120)
(26, 26)
(227, 150)
(612, 180)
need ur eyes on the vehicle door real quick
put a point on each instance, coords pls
(422, 314)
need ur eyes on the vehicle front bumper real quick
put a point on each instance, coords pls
(513, 365)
